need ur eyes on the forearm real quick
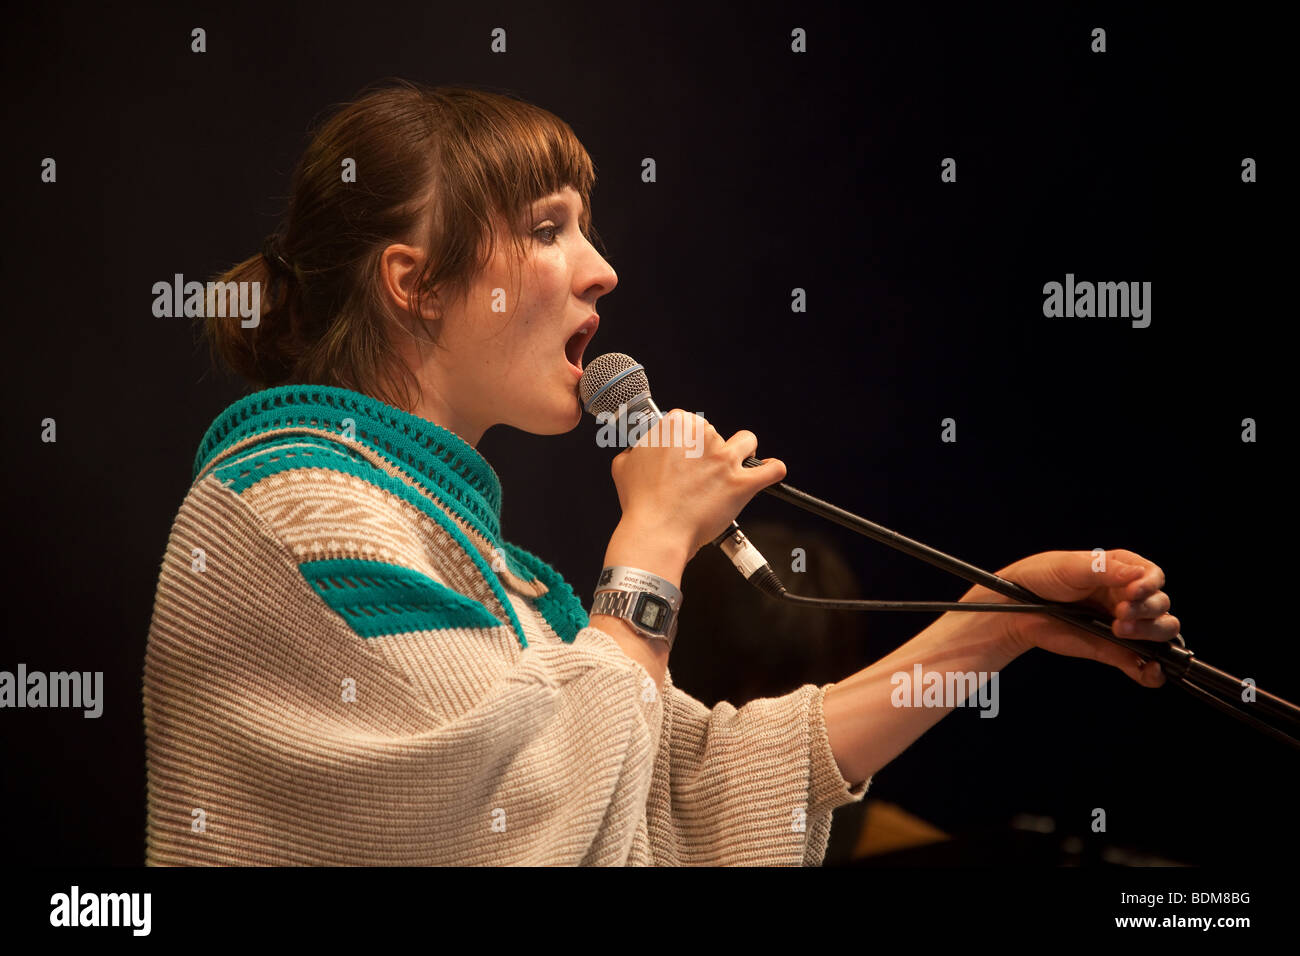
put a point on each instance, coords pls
(865, 728)
(635, 546)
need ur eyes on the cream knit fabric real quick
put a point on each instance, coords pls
(332, 678)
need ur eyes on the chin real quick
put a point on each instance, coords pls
(574, 419)
(559, 423)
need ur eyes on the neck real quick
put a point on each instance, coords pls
(432, 405)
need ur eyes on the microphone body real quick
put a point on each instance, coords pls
(616, 385)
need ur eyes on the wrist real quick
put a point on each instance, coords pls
(638, 545)
(651, 655)
(1000, 633)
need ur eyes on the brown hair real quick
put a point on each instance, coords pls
(472, 155)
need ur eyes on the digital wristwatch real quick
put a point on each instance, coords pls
(650, 604)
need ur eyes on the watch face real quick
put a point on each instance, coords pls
(651, 612)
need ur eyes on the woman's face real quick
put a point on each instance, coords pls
(510, 350)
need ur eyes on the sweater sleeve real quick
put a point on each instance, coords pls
(276, 735)
(750, 786)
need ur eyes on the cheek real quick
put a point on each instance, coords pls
(547, 313)
(552, 285)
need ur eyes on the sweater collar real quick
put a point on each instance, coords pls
(444, 463)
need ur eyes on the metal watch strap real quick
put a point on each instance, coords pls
(621, 604)
(619, 590)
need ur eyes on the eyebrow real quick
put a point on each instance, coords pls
(552, 204)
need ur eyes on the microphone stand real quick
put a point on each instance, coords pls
(1217, 688)
(1202, 681)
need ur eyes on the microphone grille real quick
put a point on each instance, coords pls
(611, 380)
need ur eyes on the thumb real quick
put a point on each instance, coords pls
(769, 472)
(1070, 575)
(1120, 572)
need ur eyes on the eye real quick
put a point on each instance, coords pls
(547, 234)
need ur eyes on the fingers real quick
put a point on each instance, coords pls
(1117, 577)
(1148, 609)
(1131, 592)
(1141, 585)
(742, 444)
(1140, 607)
(701, 438)
(1148, 673)
(769, 472)
(1125, 586)
(1164, 628)
(678, 428)
(1069, 575)
(671, 424)
(1146, 585)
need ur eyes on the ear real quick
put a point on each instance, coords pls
(399, 269)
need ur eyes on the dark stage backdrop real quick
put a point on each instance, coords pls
(776, 170)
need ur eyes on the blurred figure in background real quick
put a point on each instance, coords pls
(784, 646)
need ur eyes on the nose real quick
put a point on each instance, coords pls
(598, 277)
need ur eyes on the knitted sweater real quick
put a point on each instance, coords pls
(348, 664)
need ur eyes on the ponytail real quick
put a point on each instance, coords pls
(264, 354)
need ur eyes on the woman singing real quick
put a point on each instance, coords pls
(349, 663)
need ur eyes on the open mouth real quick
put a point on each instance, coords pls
(577, 342)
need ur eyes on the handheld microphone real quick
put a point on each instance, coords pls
(615, 386)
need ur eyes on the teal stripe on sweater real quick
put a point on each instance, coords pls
(378, 598)
(243, 474)
(444, 465)
(309, 452)
(559, 605)
(448, 467)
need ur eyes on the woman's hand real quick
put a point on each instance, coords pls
(1128, 591)
(686, 482)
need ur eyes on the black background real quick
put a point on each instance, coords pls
(775, 170)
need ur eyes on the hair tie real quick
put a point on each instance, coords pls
(274, 257)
